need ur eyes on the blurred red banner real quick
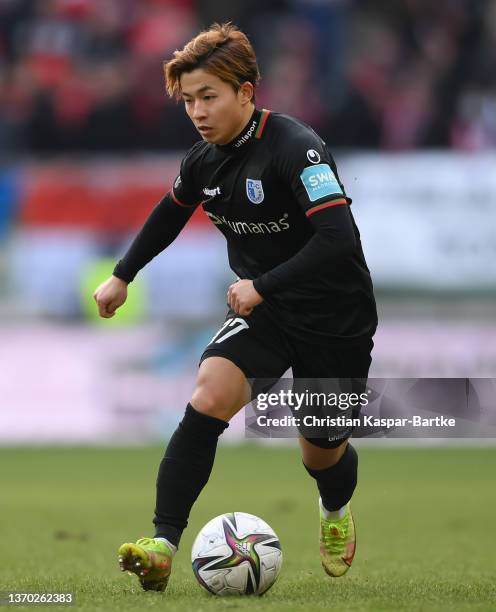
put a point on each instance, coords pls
(101, 195)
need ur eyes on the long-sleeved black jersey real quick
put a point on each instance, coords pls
(275, 194)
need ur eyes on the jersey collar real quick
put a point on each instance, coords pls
(252, 131)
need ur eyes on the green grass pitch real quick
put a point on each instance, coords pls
(425, 525)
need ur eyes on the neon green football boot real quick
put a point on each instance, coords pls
(337, 543)
(150, 560)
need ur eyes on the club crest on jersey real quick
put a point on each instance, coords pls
(254, 191)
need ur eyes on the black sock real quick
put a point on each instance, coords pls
(184, 471)
(337, 483)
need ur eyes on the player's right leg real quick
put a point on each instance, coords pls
(221, 391)
(235, 353)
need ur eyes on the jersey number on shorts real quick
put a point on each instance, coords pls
(242, 324)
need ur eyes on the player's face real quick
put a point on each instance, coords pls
(218, 112)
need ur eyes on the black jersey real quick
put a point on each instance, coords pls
(275, 194)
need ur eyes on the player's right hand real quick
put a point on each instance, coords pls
(108, 296)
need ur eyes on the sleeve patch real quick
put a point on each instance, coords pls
(319, 181)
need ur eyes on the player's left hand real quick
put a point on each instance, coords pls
(242, 297)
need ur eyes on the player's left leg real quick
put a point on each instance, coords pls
(331, 460)
(335, 472)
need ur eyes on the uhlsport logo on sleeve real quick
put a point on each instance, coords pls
(313, 156)
(254, 191)
(320, 181)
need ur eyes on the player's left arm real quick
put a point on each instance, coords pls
(334, 238)
(242, 297)
(306, 165)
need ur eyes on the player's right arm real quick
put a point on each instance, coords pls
(160, 229)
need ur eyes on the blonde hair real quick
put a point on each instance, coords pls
(222, 50)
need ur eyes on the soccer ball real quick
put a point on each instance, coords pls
(236, 554)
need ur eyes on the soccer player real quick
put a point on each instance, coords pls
(303, 298)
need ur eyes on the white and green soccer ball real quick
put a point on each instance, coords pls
(236, 554)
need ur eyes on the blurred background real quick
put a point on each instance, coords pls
(403, 92)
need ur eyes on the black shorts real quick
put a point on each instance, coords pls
(259, 346)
